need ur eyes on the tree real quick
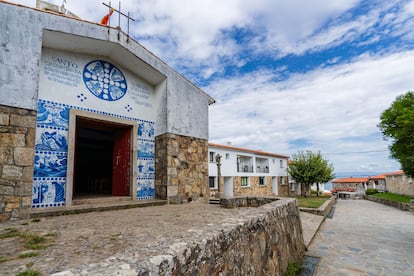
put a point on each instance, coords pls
(307, 168)
(397, 125)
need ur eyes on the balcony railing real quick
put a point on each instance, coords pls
(245, 169)
(262, 170)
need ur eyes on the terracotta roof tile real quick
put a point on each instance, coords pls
(380, 176)
(351, 180)
(394, 173)
(259, 152)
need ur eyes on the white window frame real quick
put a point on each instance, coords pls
(247, 182)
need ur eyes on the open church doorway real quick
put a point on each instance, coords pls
(102, 158)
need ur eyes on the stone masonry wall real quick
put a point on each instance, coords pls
(284, 190)
(261, 242)
(254, 189)
(17, 141)
(400, 184)
(181, 168)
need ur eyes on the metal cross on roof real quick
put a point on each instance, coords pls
(110, 8)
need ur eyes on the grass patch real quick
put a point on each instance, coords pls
(33, 241)
(312, 201)
(28, 255)
(292, 269)
(10, 232)
(393, 197)
(29, 272)
(3, 259)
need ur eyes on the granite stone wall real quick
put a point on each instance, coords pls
(17, 138)
(400, 184)
(254, 188)
(181, 168)
(262, 242)
(400, 205)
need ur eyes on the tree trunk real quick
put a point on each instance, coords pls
(317, 189)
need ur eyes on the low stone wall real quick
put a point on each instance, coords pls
(261, 242)
(323, 210)
(243, 201)
(400, 205)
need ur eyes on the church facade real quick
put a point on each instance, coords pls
(85, 110)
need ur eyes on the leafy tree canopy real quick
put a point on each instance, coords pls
(397, 125)
(308, 168)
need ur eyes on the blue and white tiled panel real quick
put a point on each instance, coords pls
(146, 149)
(146, 168)
(52, 115)
(49, 179)
(48, 192)
(145, 189)
(146, 131)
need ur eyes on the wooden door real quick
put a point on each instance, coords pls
(121, 168)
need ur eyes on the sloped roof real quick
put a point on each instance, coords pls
(394, 173)
(380, 176)
(258, 152)
(351, 180)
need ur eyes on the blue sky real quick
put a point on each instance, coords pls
(287, 75)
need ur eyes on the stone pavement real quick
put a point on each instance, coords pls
(310, 226)
(101, 239)
(365, 238)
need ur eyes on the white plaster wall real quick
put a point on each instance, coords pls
(229, 166)
(182, 108)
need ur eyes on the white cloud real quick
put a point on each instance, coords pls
(335, 109)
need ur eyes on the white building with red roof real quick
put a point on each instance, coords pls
(247, 172)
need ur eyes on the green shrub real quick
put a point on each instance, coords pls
(292, 269)
(371, 191)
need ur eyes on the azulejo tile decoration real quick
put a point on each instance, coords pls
(48, 192)
(50, 164)
(104, 80)
(51, 151)
(145, 188)
(146, 167)
(48, 139)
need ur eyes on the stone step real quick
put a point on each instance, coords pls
(213, 200)
(99, 199)
(98, 207)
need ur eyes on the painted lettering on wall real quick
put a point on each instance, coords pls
(62, 70)
(142, 95)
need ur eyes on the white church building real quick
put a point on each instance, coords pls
(85, 110)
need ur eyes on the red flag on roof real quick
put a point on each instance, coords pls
(105, 19)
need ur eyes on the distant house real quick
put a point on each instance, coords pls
(247, 172)
(399, 183)
(377, 182)
(350, 184)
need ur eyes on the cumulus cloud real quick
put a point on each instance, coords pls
(352, 59)
(334, 109)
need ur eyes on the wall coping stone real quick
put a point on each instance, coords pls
(275, 235)
(400, 205)
(323, 210)
(245, 201)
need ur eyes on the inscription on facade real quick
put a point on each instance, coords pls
(63, 71)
